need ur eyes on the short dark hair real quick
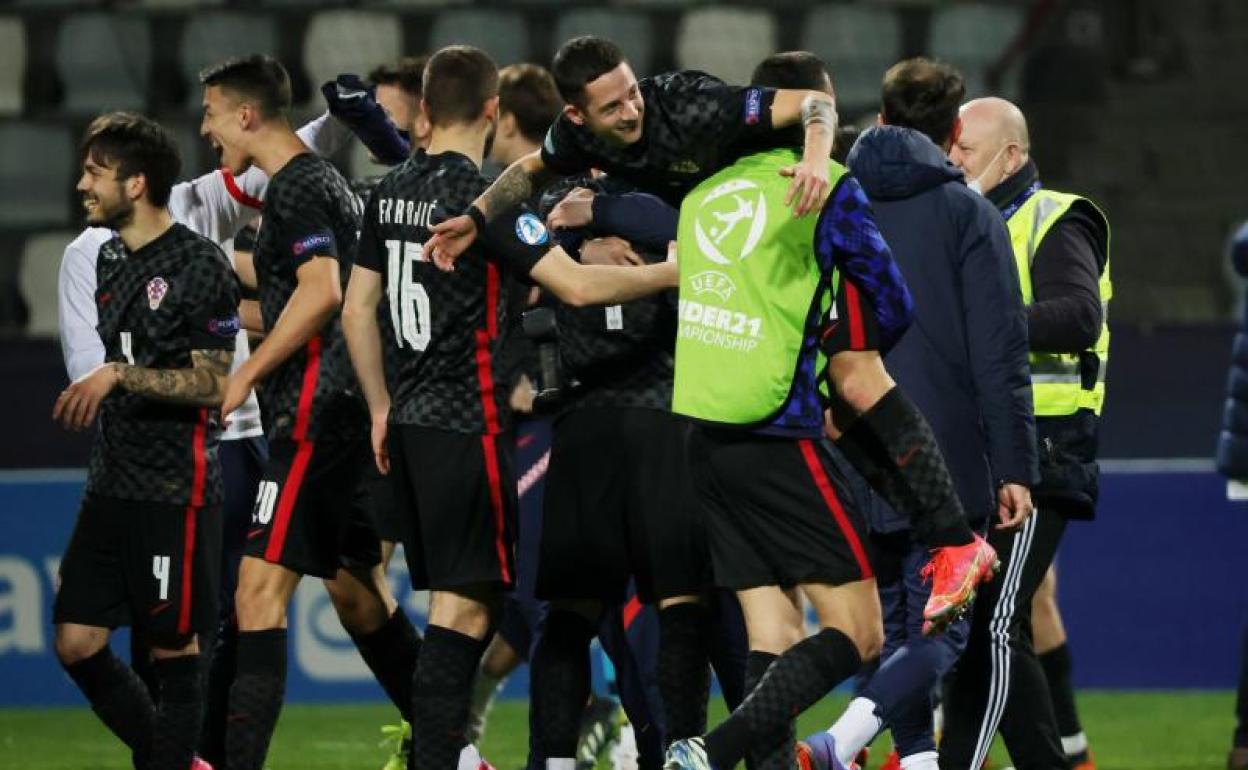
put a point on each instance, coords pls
(134, 144)
(408, 73)
(459, 80)
(923, 94)
(257, 78)
(581, 61)
(528, 92)
(793, 69)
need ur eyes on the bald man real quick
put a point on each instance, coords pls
(1061, 247)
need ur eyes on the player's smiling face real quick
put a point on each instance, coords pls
(613, 108)
(104, 196)
(223, 126)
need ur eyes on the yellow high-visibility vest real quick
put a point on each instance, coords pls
(1057, 378)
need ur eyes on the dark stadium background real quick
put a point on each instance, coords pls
(1137, 104)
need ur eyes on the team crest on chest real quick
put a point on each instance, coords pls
(157, 288)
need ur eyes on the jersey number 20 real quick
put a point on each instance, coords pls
(409, 302)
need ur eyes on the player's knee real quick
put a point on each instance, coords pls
(258, 606)
(775, 638)
(468, 611)
(868, 638)
(74, 647)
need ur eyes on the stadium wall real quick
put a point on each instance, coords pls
(1152, 592)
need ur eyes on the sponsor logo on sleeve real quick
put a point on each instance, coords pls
(226, 327)
(530, 230)
(311, 243)
(753, 106)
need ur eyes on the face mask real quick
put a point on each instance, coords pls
(976, 184)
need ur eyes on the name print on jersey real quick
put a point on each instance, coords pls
(397, 211)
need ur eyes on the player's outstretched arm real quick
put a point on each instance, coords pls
(363, 334)
(580, 285)
(513, 187)
(316, 298)
(817, 113)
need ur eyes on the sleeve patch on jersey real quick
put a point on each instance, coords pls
(531, 230)
(312, 242)
(226, 327)
(753, 106)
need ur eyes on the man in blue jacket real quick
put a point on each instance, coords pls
(964, 363)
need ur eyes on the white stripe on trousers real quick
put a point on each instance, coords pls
(999, 640)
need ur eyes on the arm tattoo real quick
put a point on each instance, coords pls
(513, 187)
(819, 109)
(201, 385)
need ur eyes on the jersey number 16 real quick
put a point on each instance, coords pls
(409, 302)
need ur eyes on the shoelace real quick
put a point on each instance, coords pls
(938, 566)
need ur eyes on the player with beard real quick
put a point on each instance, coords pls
(310, 516)
(449, 443)
(146, 546)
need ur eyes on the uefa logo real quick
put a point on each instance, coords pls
(731, 221)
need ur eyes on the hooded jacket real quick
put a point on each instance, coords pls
(964, 359)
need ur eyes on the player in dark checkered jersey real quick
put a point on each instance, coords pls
(146, 547)
(311, 515)
(451, 468)
(663, 134)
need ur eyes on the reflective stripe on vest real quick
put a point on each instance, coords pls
(1056, 378)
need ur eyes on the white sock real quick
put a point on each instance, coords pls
(924, 760)
(469, 758)
(561, 763)
(855, 729)
(1074, 744)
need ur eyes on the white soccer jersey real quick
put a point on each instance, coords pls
(215, 205)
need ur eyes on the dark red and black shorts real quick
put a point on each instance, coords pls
(313, 511)
(778, 511)
(152, 566)
(455, 495)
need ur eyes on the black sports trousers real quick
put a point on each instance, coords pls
(998, 683)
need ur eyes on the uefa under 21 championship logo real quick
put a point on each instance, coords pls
(731, 221)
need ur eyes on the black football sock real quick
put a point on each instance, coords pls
(560, 682)
(728, 647)
(684, 670)
(893, 447)
(806, 672)
(767, 753)
(255, 697)
(1056, 664)
(119, 698)
(390, 653)
(441, 691)
(141, 662)
(221, 668)
(178, 713)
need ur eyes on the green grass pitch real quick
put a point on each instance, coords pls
(1128, 731)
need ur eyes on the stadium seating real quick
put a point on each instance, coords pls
(727, 42)
(12, 64)
(972, 36)
(349, 41)
(631, 31)
(37, 164)
(41, 263)
(500, 32)
(858, 44)
(104, 61)
(210, 37)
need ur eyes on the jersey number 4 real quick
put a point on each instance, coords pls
(409, 302)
